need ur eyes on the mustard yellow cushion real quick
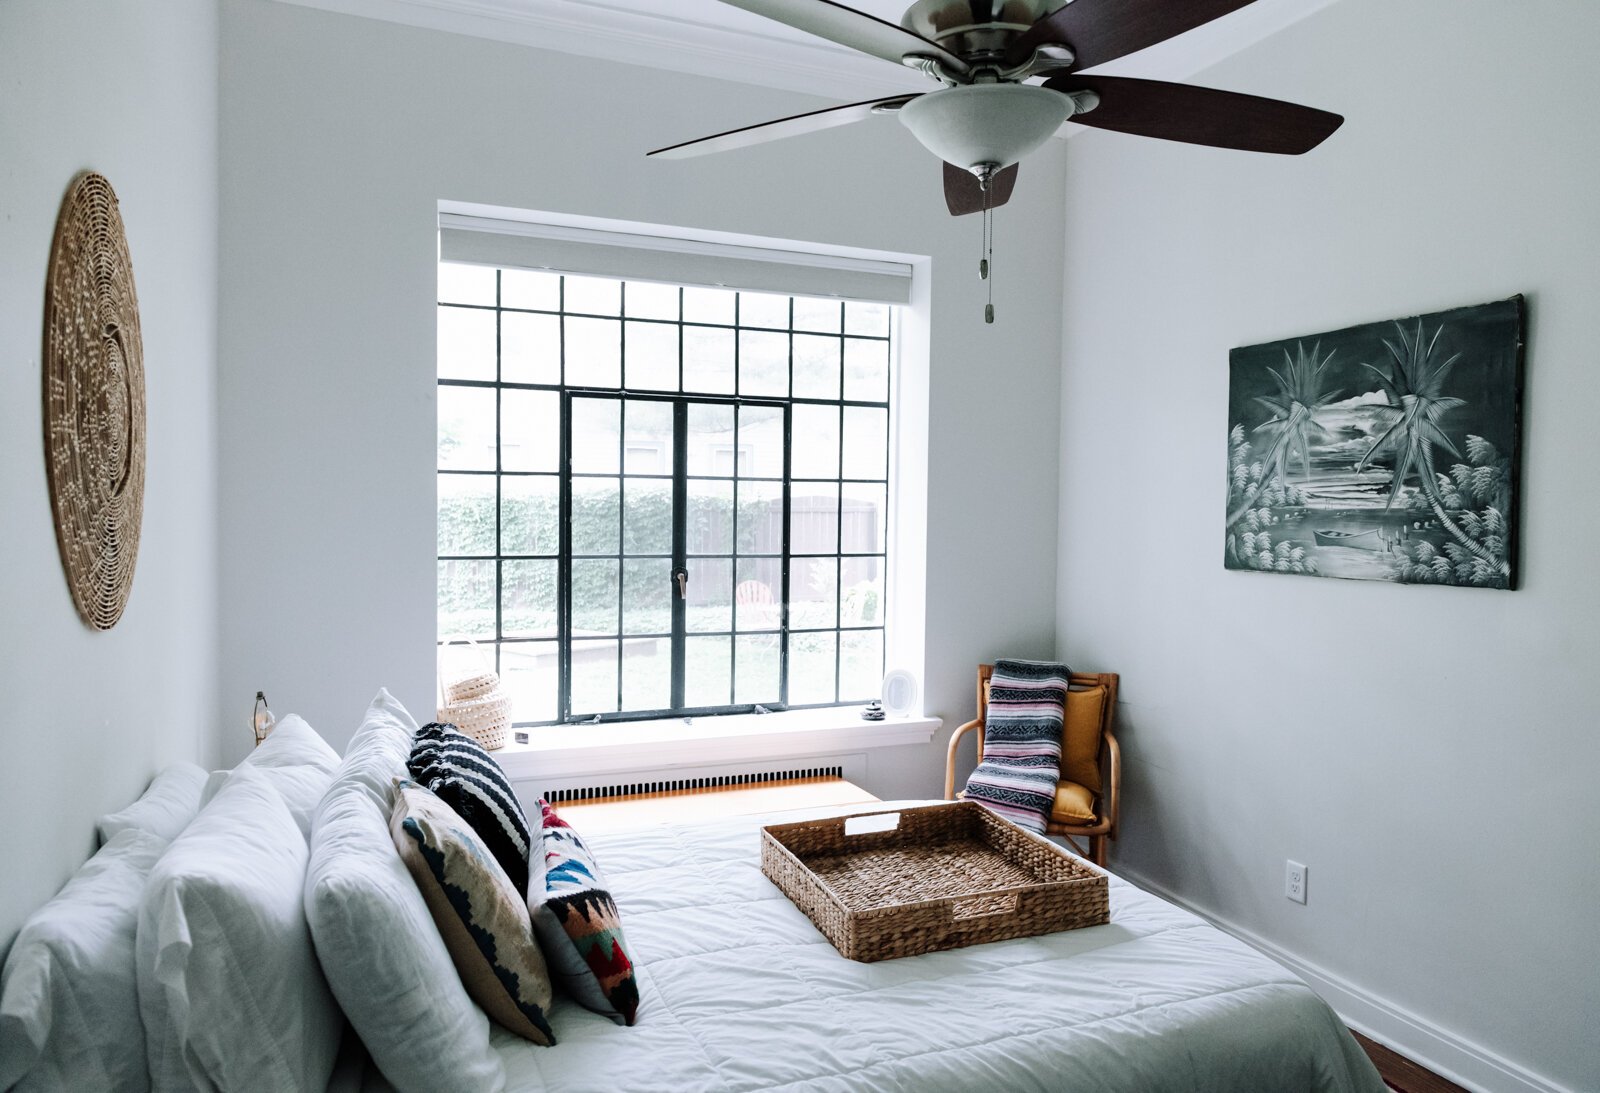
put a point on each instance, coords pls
(1080, 738)
(1074, 804)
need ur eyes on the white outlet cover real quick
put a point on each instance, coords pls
(1294, 881)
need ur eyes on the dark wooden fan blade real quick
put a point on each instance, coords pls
(963, 195)
(812, 122)
(1200, 115)
(1103, 30)
(849, 27)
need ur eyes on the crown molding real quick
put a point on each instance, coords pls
(660, 37)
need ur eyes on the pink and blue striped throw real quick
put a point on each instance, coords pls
(1022, 742)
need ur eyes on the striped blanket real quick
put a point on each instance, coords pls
(1022, 742)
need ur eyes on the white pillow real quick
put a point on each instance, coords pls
(378, 944)
(298, 763)
(164, 809)
(69, 1006)
(229, 988)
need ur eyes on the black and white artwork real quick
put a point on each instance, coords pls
(1383, 452)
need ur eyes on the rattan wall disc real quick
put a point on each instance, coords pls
(94, 401)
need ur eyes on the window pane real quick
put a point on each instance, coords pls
(814, 518)
(708, 305)
(647, 589)
(594, 677)
(466, 514)
(647, 447)
(530, 514)
(647, 674)
(466, 600)
(760, 442)
(530, 348)
(460, 283)
(709, 517)
(647, 516)
(710, 439)
(816, 366)
(528, 599)
(596, 430)
(864, 518)
(466, 344)
(860, 665)
(594, 352)
(593, 295)
(757, 603)
(812, 667)
(466, 428)
(530, 288)
(644, 300)
(866, 442)
(763, 309)
(816, 442)
(760, 517)
(756, 669)
(865, 318)
(763, 363)
(710, 604)
(813, 592)
(861, 592)
(529, 672)
(708, 671)
(594, 596)
(708, 360)
(530, 430)
(652, 356)
(814, 314)
(866, 370)
(596, 515)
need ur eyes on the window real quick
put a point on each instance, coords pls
(659, 499)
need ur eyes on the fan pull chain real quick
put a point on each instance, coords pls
(988, 250)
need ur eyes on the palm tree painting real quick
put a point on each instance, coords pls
(1381, 452)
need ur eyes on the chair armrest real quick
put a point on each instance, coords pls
(950, 758)
(1114, 783)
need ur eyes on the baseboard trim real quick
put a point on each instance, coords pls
(1448, 1055)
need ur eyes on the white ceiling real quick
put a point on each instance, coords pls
(715, 39)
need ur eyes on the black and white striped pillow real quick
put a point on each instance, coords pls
(463, 775)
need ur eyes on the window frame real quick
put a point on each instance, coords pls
(681, 399)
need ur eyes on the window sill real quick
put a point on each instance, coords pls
(630, 746)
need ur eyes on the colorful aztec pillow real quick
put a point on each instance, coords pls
(462, 774)
(578, 925)
(482, 918)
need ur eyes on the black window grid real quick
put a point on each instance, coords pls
(564, 558)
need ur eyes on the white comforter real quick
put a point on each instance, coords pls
(740, 992)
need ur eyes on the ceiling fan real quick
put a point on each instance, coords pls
(986, 115)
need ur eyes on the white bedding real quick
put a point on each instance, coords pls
(740, 992)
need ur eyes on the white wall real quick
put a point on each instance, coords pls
(130, 90)
(1429, 752)
(339, 138)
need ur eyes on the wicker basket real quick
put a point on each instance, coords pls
(477, 705)
(944, 876)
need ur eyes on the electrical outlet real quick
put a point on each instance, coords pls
(1294, 881)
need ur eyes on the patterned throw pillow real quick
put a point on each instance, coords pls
(578, 925)
(482, 918)
(464, 776)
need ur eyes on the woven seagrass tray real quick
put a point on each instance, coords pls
(939, 877)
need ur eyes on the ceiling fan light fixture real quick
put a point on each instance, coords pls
(993, 124)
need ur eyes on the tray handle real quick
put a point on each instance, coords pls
(873, 823)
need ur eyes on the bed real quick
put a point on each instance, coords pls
(738, 991)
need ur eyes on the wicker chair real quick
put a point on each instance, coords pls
(1103, 824)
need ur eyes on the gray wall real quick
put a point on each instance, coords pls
(130, 90)
(1428, 752)
(339, 138)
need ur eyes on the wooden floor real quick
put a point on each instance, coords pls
(693, 805)
(1401, 1073)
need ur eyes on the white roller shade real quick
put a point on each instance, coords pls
(487, 242)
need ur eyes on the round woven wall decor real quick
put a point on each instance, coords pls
(94, 401)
